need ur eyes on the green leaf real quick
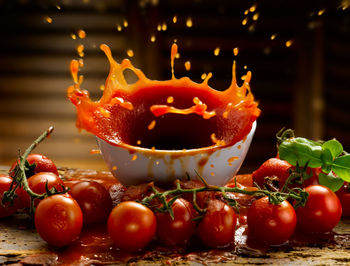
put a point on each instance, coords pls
(341, 167)
(301, 151)
(330, 181)
(327, 161)
(334, 147)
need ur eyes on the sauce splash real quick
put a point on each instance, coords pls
(124, 112)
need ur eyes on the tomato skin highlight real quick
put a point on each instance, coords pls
(177, 231)
(344, 196)
(8, 209)
(93, 199)
(322, 211)
(217, 228)
(270, 223)
(58, 220)
(131, 226)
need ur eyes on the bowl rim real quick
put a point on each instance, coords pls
(208, 149)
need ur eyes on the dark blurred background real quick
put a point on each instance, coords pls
(298, 52)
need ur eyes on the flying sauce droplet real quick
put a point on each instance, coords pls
(273, 36)
(188, 65)
(203, 76)
(73, 36)
(125, 23)
(252, 8)
(255, 16)
(152, 124)
(58, 7)
(48, 19)
(159, 27)
(102, 87)
(134, 157)
(95, 151)
(321, 12)
(130, 53)
(217, 51)
(246, 12)
(138, 142)
(81, 34)
(170, 99)
(245, 67)
(114, 168)
(189, 22)
(244, 21)
(119, 28)
(235, 51)
(174, 19)
(164, 27)
(153, 38)
(289, 43)
(81, 62)
(80, 50)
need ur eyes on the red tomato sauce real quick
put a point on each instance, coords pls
(159, 114)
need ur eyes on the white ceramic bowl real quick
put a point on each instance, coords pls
(134, 165)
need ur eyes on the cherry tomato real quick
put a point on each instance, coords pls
(37, 184)
(273, 167)
(270, 223)
(58, 220)
(9, 208)
(41, 164)
(93, 199)
(322, 211)
(344, 196)
(177, 231)
(131, 226)
(217, 228)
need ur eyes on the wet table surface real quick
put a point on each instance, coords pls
(21, 245)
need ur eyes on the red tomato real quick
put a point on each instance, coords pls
(177, 231)
(217, 228)
(37, 184)
(270, 223)
(344, 196)
(58, 220)
(322, 211)
(273, 168)
(8, 209)
(93, 199)
(131, 226)
(42, 164)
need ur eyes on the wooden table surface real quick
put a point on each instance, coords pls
(21, 245)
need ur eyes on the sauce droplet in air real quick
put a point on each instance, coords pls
(170, 99)
(119, 28)
(244, 21)
(246, 12)
(217, 51)
(114, 168)
(252, 8)
(189, 22)
(152, 125)
(203, 76)
(125, 23)
(159, 27)
(188, 65)
(153, 38)
(289, 43)
(174, 19)
(255, 16)
(95, 151)
(138, 142)
(58, 7)
(48, 19)
(80, 50)
(273, 36)
(235, 51)
(130, 53)
(134, 157)
(81, 34)
(164, 26)
(321, 12)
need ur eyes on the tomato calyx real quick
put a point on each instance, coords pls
(168, 197)
(20, 176)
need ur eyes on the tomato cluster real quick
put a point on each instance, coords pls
(210, 219)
